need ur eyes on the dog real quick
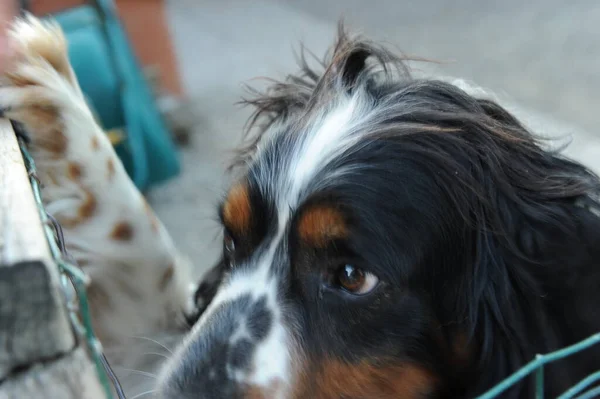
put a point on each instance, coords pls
(386, 237)
(392, 237)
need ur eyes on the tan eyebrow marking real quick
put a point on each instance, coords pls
(321, 224)
(237, 209)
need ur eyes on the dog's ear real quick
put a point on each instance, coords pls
(348, 62)
(355, 59)
(514, 202)
(354, 63)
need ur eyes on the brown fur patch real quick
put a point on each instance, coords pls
(336, 379)
(98, 296)
(85, 211)
(88, 208)
(237, 211)
(111, 168)
(321, 224)
(40, 115)
(42, 119)
(268, 392)
(82, 262)
(74, 171)
(166, 277)
(46, 127)
(95, 143)
(123, 231)
(56, 143)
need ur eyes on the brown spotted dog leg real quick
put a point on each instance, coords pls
(139, 283)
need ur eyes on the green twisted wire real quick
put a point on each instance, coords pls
(537, 365)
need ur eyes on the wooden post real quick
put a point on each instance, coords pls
(39, 353)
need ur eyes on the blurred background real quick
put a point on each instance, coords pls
(541, 56)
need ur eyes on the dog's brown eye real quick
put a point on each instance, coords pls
(355, 280)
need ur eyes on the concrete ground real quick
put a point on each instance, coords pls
(542, 55)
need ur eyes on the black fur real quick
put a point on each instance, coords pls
(488, 245)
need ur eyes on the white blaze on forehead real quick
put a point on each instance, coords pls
(328, 137)
(319, 144)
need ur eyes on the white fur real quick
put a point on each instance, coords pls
(325, 140)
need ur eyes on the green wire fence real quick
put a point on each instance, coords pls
(75, 279)
(537, 366)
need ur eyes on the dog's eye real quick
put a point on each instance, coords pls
(355, 280)
(229, 249)
(228, 244)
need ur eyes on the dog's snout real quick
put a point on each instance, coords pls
(219, 355)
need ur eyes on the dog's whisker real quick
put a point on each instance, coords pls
(142, 394)
(139, 372)
(156, 354)
(154, 341)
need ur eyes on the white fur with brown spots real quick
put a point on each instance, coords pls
(139, 281)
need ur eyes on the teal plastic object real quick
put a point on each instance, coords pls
(112, 80)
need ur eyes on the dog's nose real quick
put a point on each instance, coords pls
(217, 360)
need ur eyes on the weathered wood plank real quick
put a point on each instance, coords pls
(21, 234)
(70, 377)
(33, 320)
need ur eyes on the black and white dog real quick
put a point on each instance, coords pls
(391, 237)
(388, 237)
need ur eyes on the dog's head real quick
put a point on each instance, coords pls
(374, 246)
